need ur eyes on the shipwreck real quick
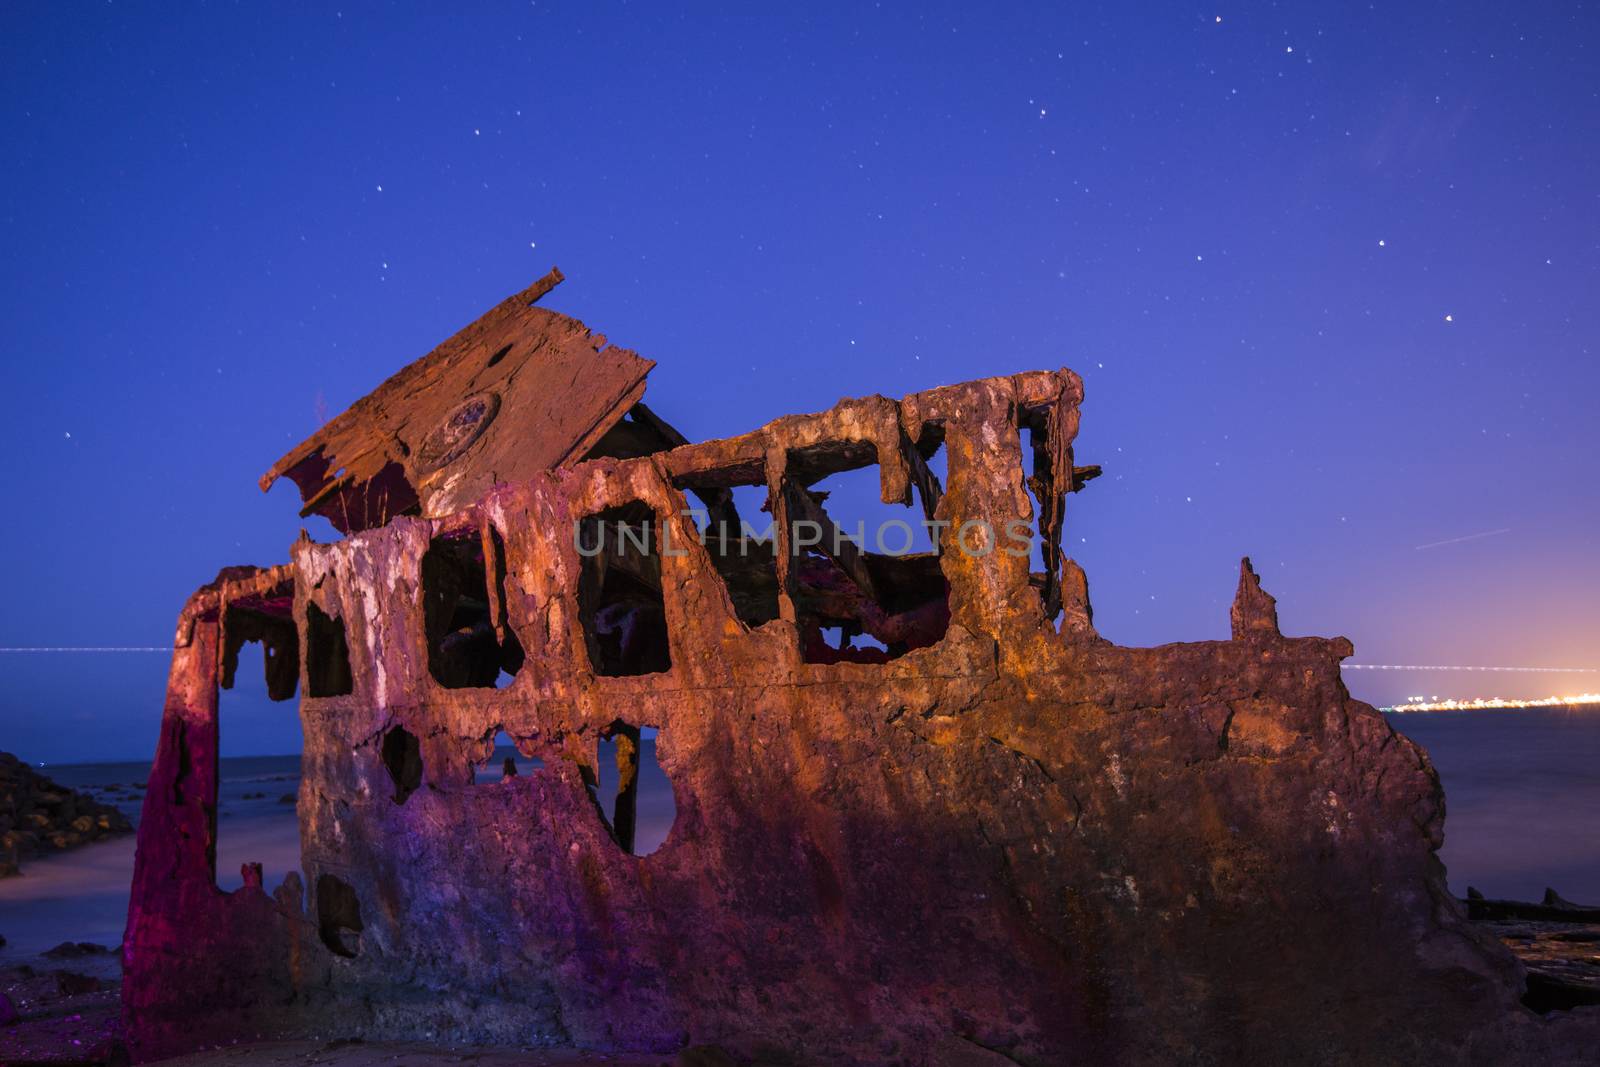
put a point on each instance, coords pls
(924, 813)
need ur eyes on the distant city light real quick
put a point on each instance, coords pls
(1488, 703)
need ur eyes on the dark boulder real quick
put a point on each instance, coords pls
(37, 816)
(71, 950)
(71, 984)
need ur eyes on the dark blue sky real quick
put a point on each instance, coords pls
(1328, 274)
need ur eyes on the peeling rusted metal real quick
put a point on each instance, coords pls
(999, 835)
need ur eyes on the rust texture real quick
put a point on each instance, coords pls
(984, 835)
(520, 390)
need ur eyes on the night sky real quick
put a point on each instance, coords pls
(1328, 274)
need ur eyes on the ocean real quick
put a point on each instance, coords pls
(1522, 798)
(82, 895)
(1522, 793)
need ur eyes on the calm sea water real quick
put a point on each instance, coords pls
(82, 895)
(1522, 789)
(1522, 798)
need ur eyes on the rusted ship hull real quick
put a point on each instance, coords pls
(1008, 838)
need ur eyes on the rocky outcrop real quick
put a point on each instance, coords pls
(38, 816)
(1254, 615)
(1556, 940)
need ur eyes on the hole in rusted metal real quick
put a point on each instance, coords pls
(631, 790)
(271, 624)
(402, 758)
(505, 761)
(1046, 495)
(620, 602)
(327, 655)
(734, 522)
(466, 649)
(864, 572)
(338, 914)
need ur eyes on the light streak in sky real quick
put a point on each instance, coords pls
(1485, 703)
(79, 648)
(1516, 670)
(1468, 537)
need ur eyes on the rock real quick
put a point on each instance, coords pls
(1553, 908)
(1255, 612)
(1586, 937)
(68, 950)
(705, 1056)
(956, 1051)
(109, 1052)
(8, 1011)
(37, 815)
(1077, 619)
(342, 1043)
(71, 984)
